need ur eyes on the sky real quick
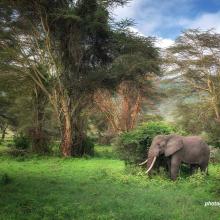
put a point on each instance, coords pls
(166, 19)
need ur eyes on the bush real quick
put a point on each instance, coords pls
(133, 146)
(88, 146)
(105, 151)
(21, 142)
(214, 155)
(40, 140)
(14, 152)
(197, 178)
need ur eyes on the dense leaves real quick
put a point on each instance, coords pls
(63, 51)
(133, 146)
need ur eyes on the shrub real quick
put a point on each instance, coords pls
(88, 146)
(197, 178)
(133, 146)
(14, 152)
(214, 155)
(40, 140)
(21, 142)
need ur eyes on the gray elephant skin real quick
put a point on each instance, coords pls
(191, 150)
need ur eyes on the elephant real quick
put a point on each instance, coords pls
(191, 150)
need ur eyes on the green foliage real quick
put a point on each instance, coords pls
(78, 49)
(199, 112)
(21, 141)
(197, 118)
(133, 146)
(214, 155)
(88, 146)
(197, 178)
(105, 151)
(18, 154)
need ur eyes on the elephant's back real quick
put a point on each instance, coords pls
(196, 145)
(194, 141)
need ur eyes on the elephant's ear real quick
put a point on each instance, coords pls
(173, 145)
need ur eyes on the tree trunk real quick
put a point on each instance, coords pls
(67, 143)
(74, 125)
(3, 133)
(39, 137)
(79, 133)
(81, 144)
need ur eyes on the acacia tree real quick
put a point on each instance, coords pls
(59, 45)
(137, 66)
(84, 35)
(95, 55)
(66, 49)
(195, 60)
(27, 62)
(123, 107)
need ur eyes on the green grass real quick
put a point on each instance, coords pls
(97, 188)
(105, 151)
(4, 147)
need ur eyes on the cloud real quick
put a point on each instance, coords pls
(164, 42)
(167, 19)
(140, 11)
(160, 42)
(205, 21)
(154, 17)
(136, 31)
(127, 11)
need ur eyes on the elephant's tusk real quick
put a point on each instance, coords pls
(143, 162)
(151, 164)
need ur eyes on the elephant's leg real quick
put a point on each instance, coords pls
(204, 167)
(175, 165)
(169, 167)
(193, 168)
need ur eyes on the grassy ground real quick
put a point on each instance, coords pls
(97, 188)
